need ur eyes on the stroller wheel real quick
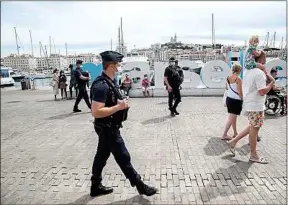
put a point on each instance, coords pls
(273, 105)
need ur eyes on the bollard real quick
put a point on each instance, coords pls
(23, 84)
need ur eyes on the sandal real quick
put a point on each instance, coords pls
(226, 138)
(232, 149)
(261, 160)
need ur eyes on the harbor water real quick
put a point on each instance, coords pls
(40, 84)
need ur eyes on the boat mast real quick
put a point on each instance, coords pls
(111, 44)
(281, 44)
(31, 43)
(66, 50)
(49, 46)
(40, 49)
(45, 54)
(266, 41)
(272, 42)
(16, 41)
(59, 59)
(119, 40)
(54, 46)
(213, 32)
(122, 38)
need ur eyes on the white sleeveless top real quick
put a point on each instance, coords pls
(232, 94)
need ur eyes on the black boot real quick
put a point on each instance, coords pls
(97, 190)
(175, 111)
(145, 189)
(171, 111)
(76, 110)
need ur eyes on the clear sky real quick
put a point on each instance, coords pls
(89, 26)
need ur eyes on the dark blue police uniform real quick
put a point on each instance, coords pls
(174, 79)
(110, 139)
(81, 88)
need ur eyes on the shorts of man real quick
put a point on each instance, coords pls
(145, 91)
(255, 118)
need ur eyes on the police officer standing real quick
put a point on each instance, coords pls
(81, 82)
(72, 81)
(105, 108)
(172, 81)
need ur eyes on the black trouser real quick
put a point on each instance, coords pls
(82, 94)
(110, 141)
(63, 90)
(126, 89)
(174, 94)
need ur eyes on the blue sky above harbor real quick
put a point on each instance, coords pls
(89, 26)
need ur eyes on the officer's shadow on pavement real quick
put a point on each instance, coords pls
(65, 115)
(216, 147)
(83, 199)
(87, 198)
(162, 103)
(156, 120)
(236, 173)
(138, 199)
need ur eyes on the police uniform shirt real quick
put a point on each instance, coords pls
(170, 74)
(77, 77)
(101, 92)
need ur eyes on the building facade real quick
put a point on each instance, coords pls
(54, 61)
(86, 58)
(23, 62)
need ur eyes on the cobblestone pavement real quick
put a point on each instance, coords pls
(47, 154)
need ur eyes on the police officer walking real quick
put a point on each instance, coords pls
(107, 106)
(173, 81)
(81, 82)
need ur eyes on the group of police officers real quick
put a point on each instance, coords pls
(110, 109)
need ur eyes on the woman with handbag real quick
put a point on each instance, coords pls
(62, 84)
(55, 83)
(234, 100)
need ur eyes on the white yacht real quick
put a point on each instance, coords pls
(6, 78)
(16, 75)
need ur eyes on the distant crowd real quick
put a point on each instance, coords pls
(59, 83)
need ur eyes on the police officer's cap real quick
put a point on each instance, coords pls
(79, 61)
(171, 59)
(111, 56)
